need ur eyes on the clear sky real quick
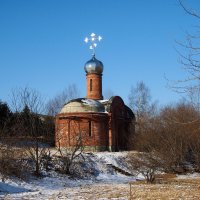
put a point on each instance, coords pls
(42, 44)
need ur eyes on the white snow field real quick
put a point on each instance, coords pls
(105, 183)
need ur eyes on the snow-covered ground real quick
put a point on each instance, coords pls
(105, 183)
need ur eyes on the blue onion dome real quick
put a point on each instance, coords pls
(93, 66)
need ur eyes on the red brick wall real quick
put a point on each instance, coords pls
(120, 125)
(69, 126)
(96, 92)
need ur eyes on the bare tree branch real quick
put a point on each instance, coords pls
(188, 11)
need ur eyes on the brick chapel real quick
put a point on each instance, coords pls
(102, 125)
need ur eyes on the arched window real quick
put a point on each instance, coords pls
(90, 85)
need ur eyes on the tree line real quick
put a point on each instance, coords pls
(165, 137)
(27, 130)
(169, 137)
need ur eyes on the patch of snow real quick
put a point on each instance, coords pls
(189, 176)
(117, 159)
(60, 186)
(102, 183)
(103, 101)
(90, 102)
(116, 178)
(11, 188)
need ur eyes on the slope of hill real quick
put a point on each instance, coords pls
(105, 168)
(105, 176)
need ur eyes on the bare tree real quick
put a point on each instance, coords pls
(194, 146)
(29, 105)
(144, 163)
(189, 54)
(54, 105)
(12, 162)
(145, 111)
(172, 136)
(70, 154)
(139, 99)
(179, 124)
(176, 132)
(189, 11)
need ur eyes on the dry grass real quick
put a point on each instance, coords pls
(169, 188)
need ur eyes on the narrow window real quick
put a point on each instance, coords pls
(90, 128)
(90, 85)
(68, 127)
(69, 132)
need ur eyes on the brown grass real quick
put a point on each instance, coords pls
(167, 188)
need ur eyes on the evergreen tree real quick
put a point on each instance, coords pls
(5, 114)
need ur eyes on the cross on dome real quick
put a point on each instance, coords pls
(92, 40)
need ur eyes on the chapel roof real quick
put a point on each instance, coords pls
(83, 105)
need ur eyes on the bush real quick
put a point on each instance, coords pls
(146, 164)
(12, 163)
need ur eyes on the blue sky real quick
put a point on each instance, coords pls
(41, 44)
